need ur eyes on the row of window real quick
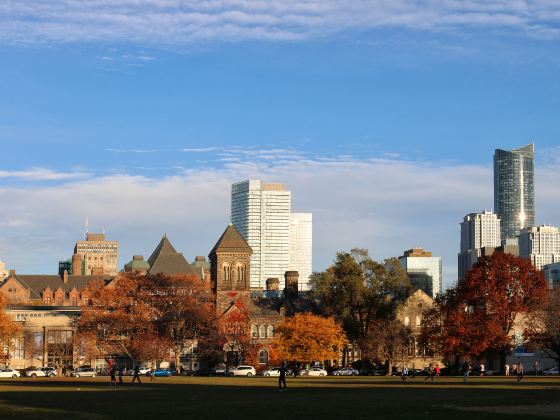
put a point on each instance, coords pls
(407, 321)
(262, 331)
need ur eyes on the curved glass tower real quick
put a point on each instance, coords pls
(514, 189)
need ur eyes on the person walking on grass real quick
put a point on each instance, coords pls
(113, 379)
(438, 370)
(136, 375)
(466, 368)
(507, 369)
(120, 374)
(520, 371)
(282, 379)
(536, 366)
(404, 374)
(430, 373)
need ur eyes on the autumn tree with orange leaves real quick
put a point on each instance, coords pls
(148, 316)
(10, 332)
(234, 331)
(480, 313)
(306, 338)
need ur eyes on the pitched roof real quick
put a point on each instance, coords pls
(231, 241)
(37, 283)
(166, 260)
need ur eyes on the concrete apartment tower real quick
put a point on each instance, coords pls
(478, 231)
(424, 270)
(541, 244)
(99, 256)
(281, 241)
(514, 189)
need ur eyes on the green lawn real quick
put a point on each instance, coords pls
(258, 398)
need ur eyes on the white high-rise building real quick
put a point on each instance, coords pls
(261, 212)
(301, 244)
(478, 230)
(541, 244)
(424, 270)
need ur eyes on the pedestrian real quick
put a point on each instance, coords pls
(514, 369)
(507, 369)
(430, 373)
(120, 374)
(536, 366)
(520, 371)
(282, 379)
(437, 370)
(466, 368)
(136, 375)
(404, 373)
(113, 379)
(482, 369)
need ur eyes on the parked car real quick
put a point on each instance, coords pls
(9, 373)
(347, 371)
(275, 371)
(551, 371)
(47, 371)
(163, 372)
(218, 370)
(84, 372)
(242, 371)
(314, 371)
(144, 371)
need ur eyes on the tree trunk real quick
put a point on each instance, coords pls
(389, 367)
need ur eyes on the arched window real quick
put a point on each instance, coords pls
(227, 275)
(263, 357)
(262, 331)
(241, 276)
(270, 331)
(406, 321)
(254, 331)
(417, 321)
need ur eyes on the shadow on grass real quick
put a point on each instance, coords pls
(247, 398)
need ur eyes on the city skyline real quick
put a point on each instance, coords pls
(382, 119)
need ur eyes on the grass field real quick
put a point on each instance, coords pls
(258, 398)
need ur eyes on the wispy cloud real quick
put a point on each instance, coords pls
(41, 174)
(181, 22)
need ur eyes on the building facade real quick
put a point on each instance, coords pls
(514, 189)
(261, 213)
(95, 255)
(551, 273)
(541, 244)
(478, 231)
(301, 247)
(424, 270)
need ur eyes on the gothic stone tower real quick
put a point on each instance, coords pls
(229, 269)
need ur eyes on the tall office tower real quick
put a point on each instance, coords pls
(97, 256)
(424, 270)
(514, 189)
(301, 243)
(261, 214)
(478, 231)
(541, 244)
(281, 241)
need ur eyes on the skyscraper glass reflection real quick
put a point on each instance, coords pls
(514, 189)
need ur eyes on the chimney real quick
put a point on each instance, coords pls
(65, 276)
(291, 281)
(272, 285)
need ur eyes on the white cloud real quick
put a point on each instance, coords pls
(179, 22)
(41, 174)
(385, 205)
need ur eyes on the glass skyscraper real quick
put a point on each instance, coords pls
(514, 189)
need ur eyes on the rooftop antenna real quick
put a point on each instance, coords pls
(86, 226)
(103, 230)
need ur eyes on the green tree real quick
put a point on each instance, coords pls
(358, 291)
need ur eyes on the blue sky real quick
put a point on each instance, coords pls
(140, 114)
